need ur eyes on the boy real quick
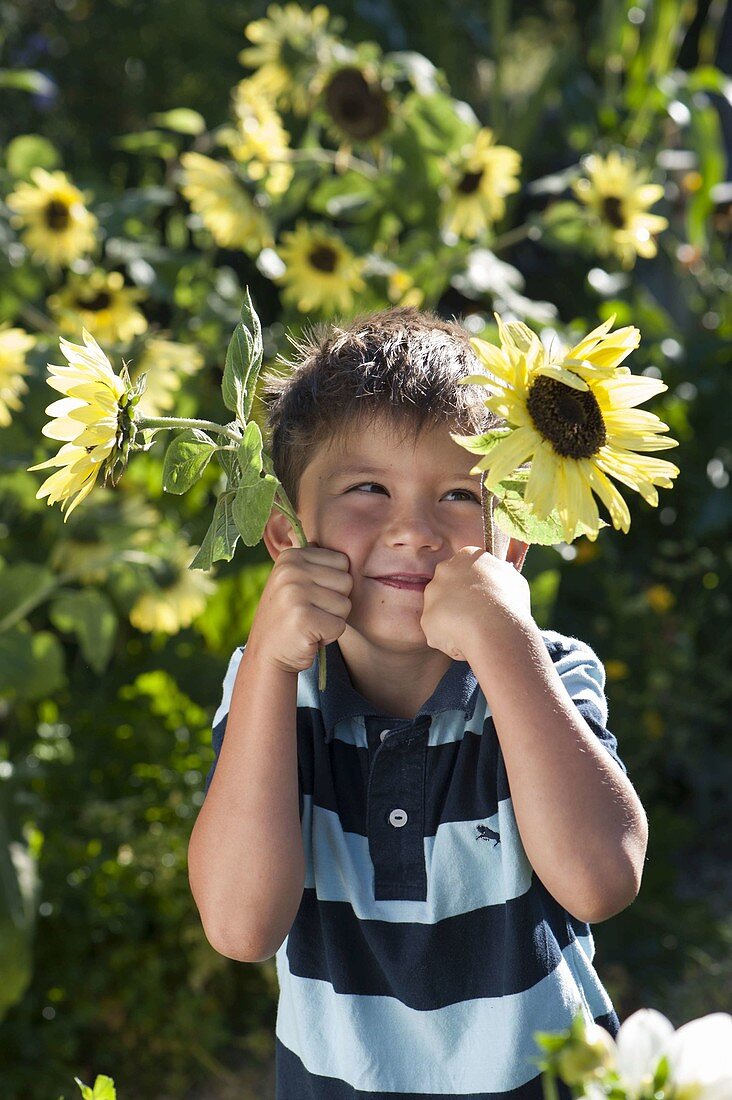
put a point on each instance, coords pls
(423, 844)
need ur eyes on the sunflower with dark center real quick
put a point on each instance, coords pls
(55, 225)
(321, 273)
(288, 47)
(475, 193)
(101, 303)
(617, 198)
(358, 107)
(573, 413)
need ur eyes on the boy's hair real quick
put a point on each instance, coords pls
(401, 363)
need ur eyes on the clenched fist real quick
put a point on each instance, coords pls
(305, 603)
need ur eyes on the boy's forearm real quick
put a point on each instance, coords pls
(245, 857)
(581, 823)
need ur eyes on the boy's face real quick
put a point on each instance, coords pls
(394, 508)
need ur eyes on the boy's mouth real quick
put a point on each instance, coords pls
(412, 582)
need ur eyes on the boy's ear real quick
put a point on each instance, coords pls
(279, 534)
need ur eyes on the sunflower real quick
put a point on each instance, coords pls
(321, 272)
(573, 413)
(14, 345)
(287, 51)
(164, 363)
(401, 289)
(179, 597)
(618, 197)
(95, 420)
(475, 194)
(260, 141)
(58, 227)
(223, 204)
(101, 303)
(357, 108)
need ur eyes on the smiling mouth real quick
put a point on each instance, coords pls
(411, 586)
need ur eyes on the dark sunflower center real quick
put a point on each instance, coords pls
(470, 183)
(57, 215)
(323, 258)
(99, 301)
(357, 107)
(568, 419)
(165, 574)
(612, 209)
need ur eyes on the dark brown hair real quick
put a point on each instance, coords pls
(401, 363)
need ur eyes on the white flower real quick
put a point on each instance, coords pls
(700, 1058)
(640, 1044)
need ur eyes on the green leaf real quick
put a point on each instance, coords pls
(103, 1089)
(27, 80)
(252, 507)
(249, 453)
(23, 584)
(29, 151)
(220, 540)
(250, 322)
(514, 517)
(484, 443)
(31, 665)
(181, 119)
(19, 886)
(89, 615)
(186, 458)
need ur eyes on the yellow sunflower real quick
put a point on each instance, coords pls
(94, 420)
(260, 141)
(573, 414)
(475, 194)
(288, 47)
(58, 228)
(14, 345)
(179, 597)
(356, 106)
(100, 302)
(401, 289)
(321, 272)
(618, 197)
(223, 204)
(164, 363)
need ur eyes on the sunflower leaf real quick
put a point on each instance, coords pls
(515, 518)
(235, 372)
(252, 327)
(249, 454)
(483, 443)
(186, 458)
(220, 540)
(252, 506)
(89, 615)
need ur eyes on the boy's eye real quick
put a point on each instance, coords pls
(467, 493)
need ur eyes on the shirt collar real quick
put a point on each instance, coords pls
(457, 690)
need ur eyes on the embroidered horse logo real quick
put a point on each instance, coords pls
(484, 833)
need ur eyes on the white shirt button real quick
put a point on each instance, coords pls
(397, 818)
(384, 734)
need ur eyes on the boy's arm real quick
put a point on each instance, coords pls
(246, 862)
(581, 823)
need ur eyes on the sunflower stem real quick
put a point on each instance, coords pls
(486, 500)
(282, 502)
(182, 422)
(328, 156)
(513, 236)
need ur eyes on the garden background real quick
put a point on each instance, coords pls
(112, 652)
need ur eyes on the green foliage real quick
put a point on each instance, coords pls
(104, 727)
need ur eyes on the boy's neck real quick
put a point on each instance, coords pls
(396, 683)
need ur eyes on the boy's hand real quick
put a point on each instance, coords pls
(473, 596)
(304, 604)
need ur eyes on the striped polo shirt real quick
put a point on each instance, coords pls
(425, 952)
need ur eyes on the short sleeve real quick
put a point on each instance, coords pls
(583, 675)
(222, 713)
